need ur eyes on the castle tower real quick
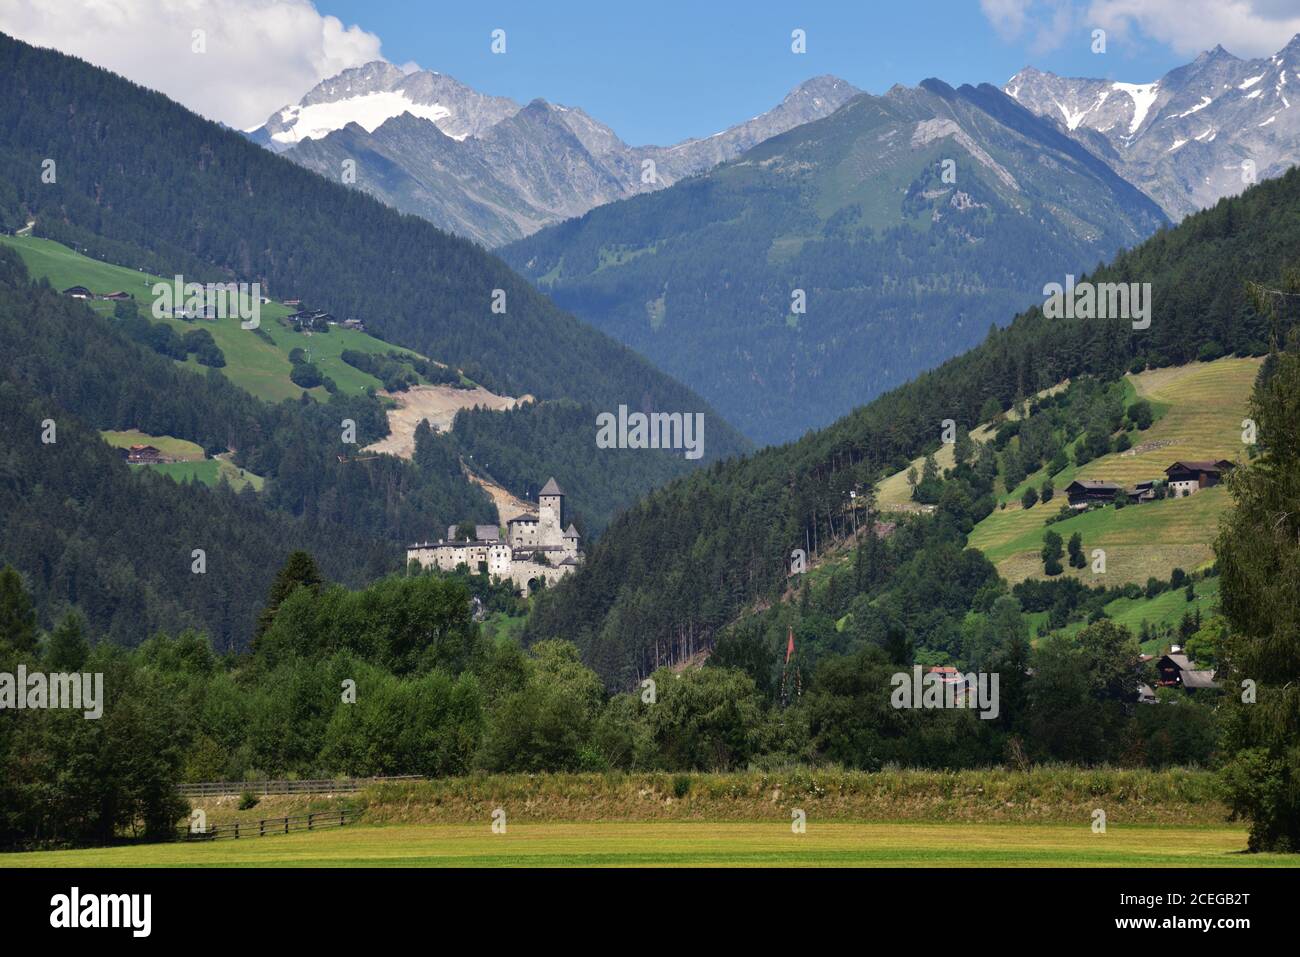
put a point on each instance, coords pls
(550, 508)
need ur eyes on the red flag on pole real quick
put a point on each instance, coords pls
(789, 646)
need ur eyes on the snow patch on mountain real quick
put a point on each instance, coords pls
(1205, 101)
(1143, 95)
(368, 111)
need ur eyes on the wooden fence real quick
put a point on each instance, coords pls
(275, 825)
(262, 788)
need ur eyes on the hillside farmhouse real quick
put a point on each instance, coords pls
(1182, 479)
(1186, 478)
(144, 455)
(537, 548)
(1176, 670)
(1081, 494)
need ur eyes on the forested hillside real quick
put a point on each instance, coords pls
(135, 171)
(667, 576)
(90, 539)
(834, 262)
(523, 447)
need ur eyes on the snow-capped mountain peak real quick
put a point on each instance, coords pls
(376, 92)
(1202, 131)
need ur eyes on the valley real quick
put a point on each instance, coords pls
(438, 548)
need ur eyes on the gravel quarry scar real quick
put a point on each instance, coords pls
(437, 403)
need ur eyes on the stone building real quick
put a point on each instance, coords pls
(535, 548)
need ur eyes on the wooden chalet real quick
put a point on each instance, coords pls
(78, 292)
(1081, 494)
(1143, 491)
(1187, 477)
(1176, 670)
(117, 295)
(145, 455)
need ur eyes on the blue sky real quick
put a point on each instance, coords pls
(660, 72)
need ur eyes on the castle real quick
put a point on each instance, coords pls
(536, 547)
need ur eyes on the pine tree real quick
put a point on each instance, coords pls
(68, 648)
(1258, 552)
(1075, 549)
(1051, 553)
(17, 617)
(299, 571)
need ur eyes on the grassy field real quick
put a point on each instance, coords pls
(697, 844)
(1139, 541)
(992, 817)
(209, 472)
(252, 363)
(1166, 609)
(180, 449)
(191, 463)
(1199, 407)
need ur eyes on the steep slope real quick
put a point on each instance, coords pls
(1186, 138)
(138, 172)
(691, 556)
(907, 224)
(118, 544)
(517, 172)
(220, 208)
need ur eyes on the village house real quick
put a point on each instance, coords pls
(78, 292)
(1081, 494)
(536, 548)
(117, 295)
(144, 455)
(1143, 491)
(1176, 670)
(1182, 478)
(1187, 478)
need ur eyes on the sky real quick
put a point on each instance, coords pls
(655, 72)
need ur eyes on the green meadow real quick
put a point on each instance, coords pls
(209, 472)
(192, 465)
(696, 844)
(252, 362)
(171, 447)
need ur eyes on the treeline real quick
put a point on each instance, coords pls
(698, 551)
(398, 372)
(398, 678)
(135, 170)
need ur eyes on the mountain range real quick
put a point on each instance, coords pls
(833, 262)
(1201, 132)
(147, 185)
(486, 168)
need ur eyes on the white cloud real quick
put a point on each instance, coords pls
(261, 54)
(1248, 28)
(1043, 24)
